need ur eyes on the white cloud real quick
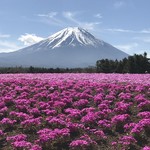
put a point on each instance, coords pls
(90, 25)
(71, 16)
(68, 14)
(98, 16)
(7, 46)
(145, 31)
(57, 19)
(49, 15)
(128, 48)
(29, 39)
(4, 35)
(120, 30)
(51, 19)
(119, 4)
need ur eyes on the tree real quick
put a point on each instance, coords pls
(132, 64)
(31, 69)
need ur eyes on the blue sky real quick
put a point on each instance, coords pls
(124, 24)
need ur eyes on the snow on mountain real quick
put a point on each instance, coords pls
(72, 37)
(70, 47)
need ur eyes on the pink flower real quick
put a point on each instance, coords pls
(21, 144)
(36, 147)
(120, 119)
(7, 121)
(81, 103)
(127, 140)
(84, 142)
(19, 137)
(146, 148)
(105, 124)
(100, 134)
(144, 115)
(79, 144)
(1, 133)
(114, 143)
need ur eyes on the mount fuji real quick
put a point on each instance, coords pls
(71, 47)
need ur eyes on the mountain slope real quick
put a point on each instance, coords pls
(70, 47)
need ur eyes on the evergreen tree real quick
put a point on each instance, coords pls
(132, 64)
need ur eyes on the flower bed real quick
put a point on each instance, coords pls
(74, 111)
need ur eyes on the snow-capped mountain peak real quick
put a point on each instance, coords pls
(71, 36)
(70, 47)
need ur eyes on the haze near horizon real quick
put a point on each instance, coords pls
(122, 23)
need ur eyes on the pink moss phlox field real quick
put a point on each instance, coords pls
(75, 111)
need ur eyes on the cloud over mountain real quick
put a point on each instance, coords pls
(29, 39)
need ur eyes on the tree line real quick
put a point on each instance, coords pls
(132, 64)
(32, 69)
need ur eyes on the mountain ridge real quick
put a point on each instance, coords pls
(70, 47)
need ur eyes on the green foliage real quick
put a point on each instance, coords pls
(132, 64)
(32, 69)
